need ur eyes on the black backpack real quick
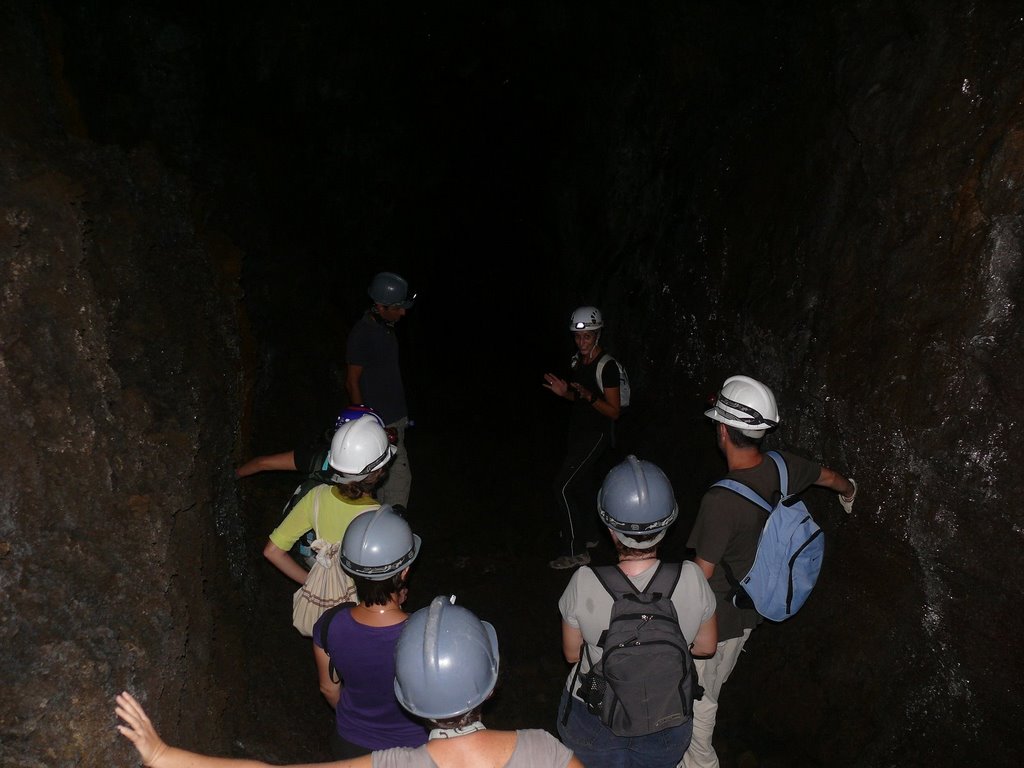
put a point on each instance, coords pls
(646, 680)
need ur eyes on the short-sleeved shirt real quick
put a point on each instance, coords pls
(336, 512)
(368, 714)
(587, 606)
(372, 344)
(728, 528)
(534, 749)
(584, 416)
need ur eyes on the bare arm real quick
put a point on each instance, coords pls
(611, 406)
(155, 753)
(832, 480)
(271, 461)
(284, 563)
(328, 687)
(706, 641)
(353, 373)
(704, 565)
(572, 639)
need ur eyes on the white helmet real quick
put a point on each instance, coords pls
(746, 404)
(586, 319)
(358, 448)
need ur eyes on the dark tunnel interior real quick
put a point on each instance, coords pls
(822, 195)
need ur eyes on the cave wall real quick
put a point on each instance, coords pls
(119, 389)
(850, 233)
(826, 196)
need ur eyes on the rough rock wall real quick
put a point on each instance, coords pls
(118, 393)
(850, 231)
(827, 198)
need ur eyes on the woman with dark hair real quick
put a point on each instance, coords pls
(446, 666)
(354, 645)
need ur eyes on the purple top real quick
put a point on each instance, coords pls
(368, 714)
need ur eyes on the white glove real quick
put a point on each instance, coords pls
(848, 502)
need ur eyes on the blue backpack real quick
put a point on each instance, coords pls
(789, 553)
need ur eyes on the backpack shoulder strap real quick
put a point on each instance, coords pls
(316, 509)
(780, 463)
(325, 625)
(665, 579)
(601, 363)
(745, 491)
(609, 573)
(750, 495)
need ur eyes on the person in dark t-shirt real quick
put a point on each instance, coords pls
(727, 530)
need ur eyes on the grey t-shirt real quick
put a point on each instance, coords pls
(534, 749)
(587, 606)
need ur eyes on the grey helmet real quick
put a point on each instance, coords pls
(378, 544)
(636, 499)
(391, 290)
(446, 661)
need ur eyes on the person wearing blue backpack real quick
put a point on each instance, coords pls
(728, 527)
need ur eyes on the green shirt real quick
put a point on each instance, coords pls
(335, 514)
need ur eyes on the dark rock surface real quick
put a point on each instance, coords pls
(826, 196)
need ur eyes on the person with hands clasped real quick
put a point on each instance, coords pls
(595, 408)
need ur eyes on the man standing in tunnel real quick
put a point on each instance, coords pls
(726, 533)
(373, 375)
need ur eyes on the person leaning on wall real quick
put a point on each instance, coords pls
(727, 529)
(446, 667)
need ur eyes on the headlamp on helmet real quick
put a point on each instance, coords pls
(586, 319)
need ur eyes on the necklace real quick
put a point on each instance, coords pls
(385, 609)
(451, 733)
